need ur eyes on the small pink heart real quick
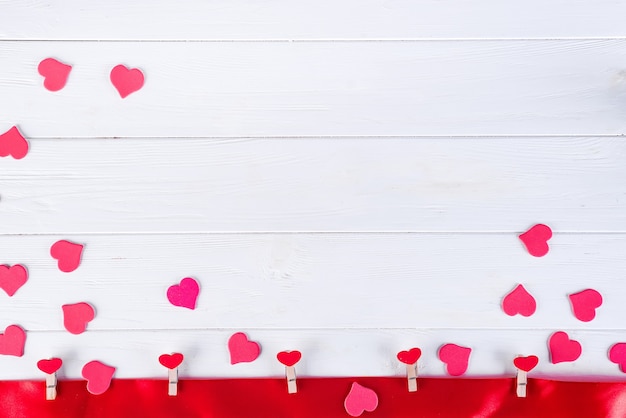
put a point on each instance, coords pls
(411, 356)
(126, 80)
(12, 278)
(585, 303)
(526, 363)
(536, 240)
(562, 348)
(98, 376)
(359, 400)
(184, 294)
(289, 358)
(55, 73)
(617, 355)
(12, 341)
(13, 143)
(50, 365)
(77, 316)
(68, 255)
(171, 361)
(519, 301)
(455, 357)
(241, 349)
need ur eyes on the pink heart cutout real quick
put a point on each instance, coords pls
(12, 341)
(563, 349)
(617, 355)
(184, 294)
(359, 400)
(12, 278)
(289, 358)
(126, 80)
(526, 363)
(519, 301)
(455, 357)
(98, 376)
(409, 357)
(536, 240)
(68, 255)
(55, 73)
(50, 366)
(241, 349)
(171, 361)
(585, 303)
(76, 317)
(13, 143)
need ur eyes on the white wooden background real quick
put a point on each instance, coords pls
(343, 177)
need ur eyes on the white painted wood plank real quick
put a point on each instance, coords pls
(360, 184)
(301, 281)
(321, 88)
(283, 19)
(324, 353)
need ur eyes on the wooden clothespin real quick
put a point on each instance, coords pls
(289, 359)
(409, 358)
(524, 365)
(172, 361)
(50, 367)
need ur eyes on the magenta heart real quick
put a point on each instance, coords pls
(455, 357)
(359, 400)
(68, 255)
(585, 303)
(617, 355)
(536, 240)
(184, 294)
(126, 80)
(55, 73)
(241, 349)
(12, 341)
(98, 376)
(76, 317)
(562, 348)
(13, 143)
(12, 278)
(519, 301)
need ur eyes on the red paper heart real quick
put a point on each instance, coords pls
(12, 278)
(126, 80)
(411, 356)
(184, 294)
(359, 400)
(526, 363)
(13, 143)
(562, 348)
(617, 355)
(12, 341)
(50, 365)
(76, 317)
(68, 255)
(455, 357)
(55, 73)
(241, 349)
(171, 361)
(519, 301)
(289, 358)
(98, 376)
(585, 303)
(536, 240)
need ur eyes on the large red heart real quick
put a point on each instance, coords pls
(411, 356)
(68, 255)
(55, 73)
(617, 355)
(12, 278)
(12, 341)
(455, 357)
(184, 294)
(519, 301)
(289, 358)
(50, 365)
(536, 240)
(585, 303)
(359, 400)
(13, 143)
(562, 348)
(241, 349)
(98, 376)
(171, 361)
(126, 80)
(76, 317)
(526, 363)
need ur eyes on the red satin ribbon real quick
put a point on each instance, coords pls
(316, 398)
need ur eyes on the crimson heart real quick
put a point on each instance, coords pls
(50, 365)
(13, 143)
(536, 240)
(171, 361)
(526, 363)
(617, 355)
(55, 73)
(126, 80)
(585, 303)
(562, 348)
(359, 400)
(411, 356)
(455, 357)
(289, 358)
(12, 278)
(12, 341)
(241, 349)
(519, 301)
(98, 376)
(76, 317)
(68, 255)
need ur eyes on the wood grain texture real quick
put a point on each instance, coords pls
(322, 19)
(264, 89)
(359, 184)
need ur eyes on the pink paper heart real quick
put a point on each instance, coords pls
(585, 303)
(241, 349)
(455, 357)
(617, 355)
(98, 376)
(536, 240)
(12, 341)
(526, 363)
(359, 400)
(171, 361)
(126, 80)
(562, 348)
(13, 143)
(68, 255)
(184, 294)
(12, 278)
(409, 357)
(289, 358)
(76, 317)
(50, 366)
(55, 73)
(519, 301)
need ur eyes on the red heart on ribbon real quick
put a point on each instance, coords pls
(171, 361)
(289, 358)
(359, 400)
(536, 240)
(12, 341)
(526, 363)
(126, 80)
(50, 365)
(12, 278)
(411, 356)
(562, 348)
(13, 143)
(98, 376)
